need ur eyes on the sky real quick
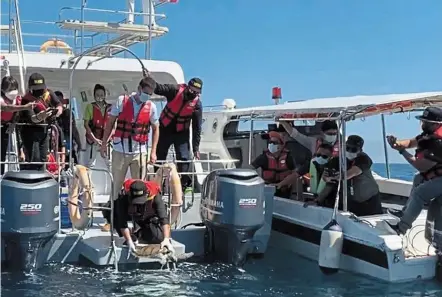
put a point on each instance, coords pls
(309, 48)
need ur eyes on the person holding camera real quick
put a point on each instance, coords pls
(36, 134)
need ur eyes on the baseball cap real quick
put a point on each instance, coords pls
(196, 83)
(431, 114)
(37, 82)
(138, 192)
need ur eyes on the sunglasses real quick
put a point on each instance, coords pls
(193, 92)
(275, 142)
(352, 149)
(322, 156)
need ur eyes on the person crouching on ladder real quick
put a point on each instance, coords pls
(95, 118)
(133, 115)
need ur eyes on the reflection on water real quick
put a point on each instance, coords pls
(279, 274)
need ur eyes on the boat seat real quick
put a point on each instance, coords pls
(117, 28)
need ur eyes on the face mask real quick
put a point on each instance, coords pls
(351, 156)
(320, 160)
(330, 138)
(273, 148)
(99, 99)
(38, 93)
(189, 95)
(11, 95)
(144, 97)
(428, 127)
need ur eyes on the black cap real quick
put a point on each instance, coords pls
(355, 141)
(329, 125)
(196, 83)
(431, 114)
(36, 82)
(138, 192)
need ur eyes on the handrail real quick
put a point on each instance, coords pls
(160, 15)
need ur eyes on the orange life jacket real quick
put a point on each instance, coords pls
(335, 147)
(152, 187)
(7, 116)
(277, 168)
(98, 122)
(131, 127)
(179, 110)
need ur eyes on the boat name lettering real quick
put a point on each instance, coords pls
(214, 203)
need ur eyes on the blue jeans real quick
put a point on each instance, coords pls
(420, 195)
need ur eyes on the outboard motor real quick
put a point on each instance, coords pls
(232, 209)
(30, 218)
(433, 231)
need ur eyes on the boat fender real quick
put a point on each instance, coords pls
(81, 180)
(169, 171)
(330, 247)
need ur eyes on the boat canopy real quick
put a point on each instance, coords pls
(332, 108)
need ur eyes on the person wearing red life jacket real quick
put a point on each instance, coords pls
(431, 124)
(141, 203)
(182, 112)
(10, 106)
(134, 116)
(277, 165)
(95, 118)
(36, 134)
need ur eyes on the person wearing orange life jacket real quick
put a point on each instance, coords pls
(431, 124)
(47, 108)
(329, 135)
(277, 165)
(95, 118)
(134, 116)
(141, 202)
(182, 112)
(10, 106)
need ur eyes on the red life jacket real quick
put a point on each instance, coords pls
(335, 147)
(98, 122)
(152, 187)
(130, 127)
(437, 169)
(277, 168)
(7, 116)
(179, 110)
(52, 165)
(41, 103)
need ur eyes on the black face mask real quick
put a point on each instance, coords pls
(188, 95)
(38, 93)
(428, 127)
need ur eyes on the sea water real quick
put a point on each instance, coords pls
(280, 274)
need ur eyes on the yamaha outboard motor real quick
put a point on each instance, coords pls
(433, 231)
(232, 209)
(30, 218)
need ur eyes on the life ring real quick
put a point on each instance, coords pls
(81, 180)
(170, 171)
(57, 44)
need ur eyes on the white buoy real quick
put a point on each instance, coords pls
(229, 104)
(330, 247)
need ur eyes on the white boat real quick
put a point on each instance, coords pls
(74, 69)
(368, 248)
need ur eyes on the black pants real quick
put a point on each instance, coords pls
(4, 147)
(36, 149)
(151, 233)
(181, 144)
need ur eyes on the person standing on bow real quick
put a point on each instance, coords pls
(10, 106)
(277, 165)
(431, 125)
(95, 117)
(37, 133)
(183, 107)
(134, 116)
(329, 135)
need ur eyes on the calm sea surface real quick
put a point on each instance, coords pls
(279, 274)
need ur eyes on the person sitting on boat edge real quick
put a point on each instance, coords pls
(182, 112)
(363, 195)
(141, 202)
(429, 155)
(431, 124)
(329, 135)
(10, 105)
(95, 117)
(277, 165)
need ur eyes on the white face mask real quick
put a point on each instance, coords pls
(320, 160)
(99, 99)
(351, 156)
(144, 97)
(273, 148)
(11, 95)
(330, 138)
